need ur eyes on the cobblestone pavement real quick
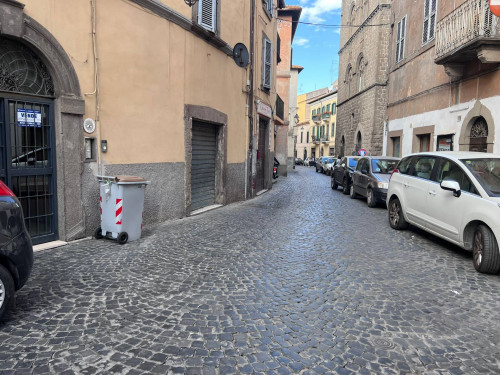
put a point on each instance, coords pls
(301, 280)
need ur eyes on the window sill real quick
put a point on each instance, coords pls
(212, 39)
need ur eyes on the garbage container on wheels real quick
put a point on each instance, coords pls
(122, 205)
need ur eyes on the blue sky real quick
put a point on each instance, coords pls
(316, 47)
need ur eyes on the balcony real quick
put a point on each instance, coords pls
(316, 118)
(326, 116)
(468, 33)
(316, 140)
(280, 108)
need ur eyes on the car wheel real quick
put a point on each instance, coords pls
(333, 183)
(485, 253)
(396, 216)
(6, 291)
(345, 186)
(370, 199)
(122, 238)
(98, 233)
(352, 193)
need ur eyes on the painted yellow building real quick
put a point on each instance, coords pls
(162, 96)
(316, 133)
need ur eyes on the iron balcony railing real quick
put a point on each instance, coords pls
(471, 21)
(316, 118)
(280, 108)
(325, 115)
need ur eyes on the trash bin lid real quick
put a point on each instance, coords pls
(125, 178)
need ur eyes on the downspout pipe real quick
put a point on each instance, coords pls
(251, 96)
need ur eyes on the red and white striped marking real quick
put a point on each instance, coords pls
(119, 210)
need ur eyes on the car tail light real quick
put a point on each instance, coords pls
(5, 191)
(394, 171)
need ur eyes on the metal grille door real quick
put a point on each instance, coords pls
(204, 144)
(27, 163)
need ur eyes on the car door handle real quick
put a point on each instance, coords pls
(432, 192)
(406, 184)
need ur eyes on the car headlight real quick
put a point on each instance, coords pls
(383, 185)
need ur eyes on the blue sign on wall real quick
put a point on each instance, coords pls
(29, 117)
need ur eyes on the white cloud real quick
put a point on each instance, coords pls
(320, 8)
(301, 41)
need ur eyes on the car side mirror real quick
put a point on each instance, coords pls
(451, 185)
(364, 171)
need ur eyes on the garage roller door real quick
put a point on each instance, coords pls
(203, 165)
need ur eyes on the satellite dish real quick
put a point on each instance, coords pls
(240, 55)
(89, 125)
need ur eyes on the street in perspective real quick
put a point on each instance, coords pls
(291, 282)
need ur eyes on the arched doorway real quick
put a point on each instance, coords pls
(358, 142)
(479, 135)
(27, 137)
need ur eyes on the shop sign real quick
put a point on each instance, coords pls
(495, 7)
(444, 144)
(264, 109)
(29, 117)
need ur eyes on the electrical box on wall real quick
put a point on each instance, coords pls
(90, 150)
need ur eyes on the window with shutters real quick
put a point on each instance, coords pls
(267, 64)
(430, 7)
(268, 6)
(207, 14)
(400, 39)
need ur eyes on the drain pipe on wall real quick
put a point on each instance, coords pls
(249, 183)
(96, 85)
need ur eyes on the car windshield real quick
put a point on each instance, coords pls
(331, 160)
(487, 172)
(353, 163)
(383, 166)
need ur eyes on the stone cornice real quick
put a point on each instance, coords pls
(368, 19)
(181, 21)
(13, 3)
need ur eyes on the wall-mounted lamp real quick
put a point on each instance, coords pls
(190, 2)
(104, 145)
(296, 117)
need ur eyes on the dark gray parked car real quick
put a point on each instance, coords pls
(371, 178)
(342, 172)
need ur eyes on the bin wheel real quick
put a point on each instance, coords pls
(122, 238)
(98, 233)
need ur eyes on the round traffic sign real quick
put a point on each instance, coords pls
(495, 7)
(362, 152)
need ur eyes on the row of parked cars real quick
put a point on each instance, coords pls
(453, 195)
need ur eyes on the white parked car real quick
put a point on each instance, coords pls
(453, 195)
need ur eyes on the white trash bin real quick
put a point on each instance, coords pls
(122, 205)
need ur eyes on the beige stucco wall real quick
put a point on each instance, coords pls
(148, 69)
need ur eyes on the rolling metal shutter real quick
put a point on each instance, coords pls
(203, 165)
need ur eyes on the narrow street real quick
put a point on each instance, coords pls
(301, 280)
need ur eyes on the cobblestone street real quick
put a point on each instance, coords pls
(301, 280)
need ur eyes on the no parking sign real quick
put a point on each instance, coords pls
(362, 152)
(495, 7)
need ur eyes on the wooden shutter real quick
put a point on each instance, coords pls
(425, 36)
(207, 10)
(402, 39)
(268, 60)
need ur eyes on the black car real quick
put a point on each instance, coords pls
(299, 161)
(342, 173)
(371, 178)
(16, 250)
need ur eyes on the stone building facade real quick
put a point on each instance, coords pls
(444, 82)
(363, 76)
